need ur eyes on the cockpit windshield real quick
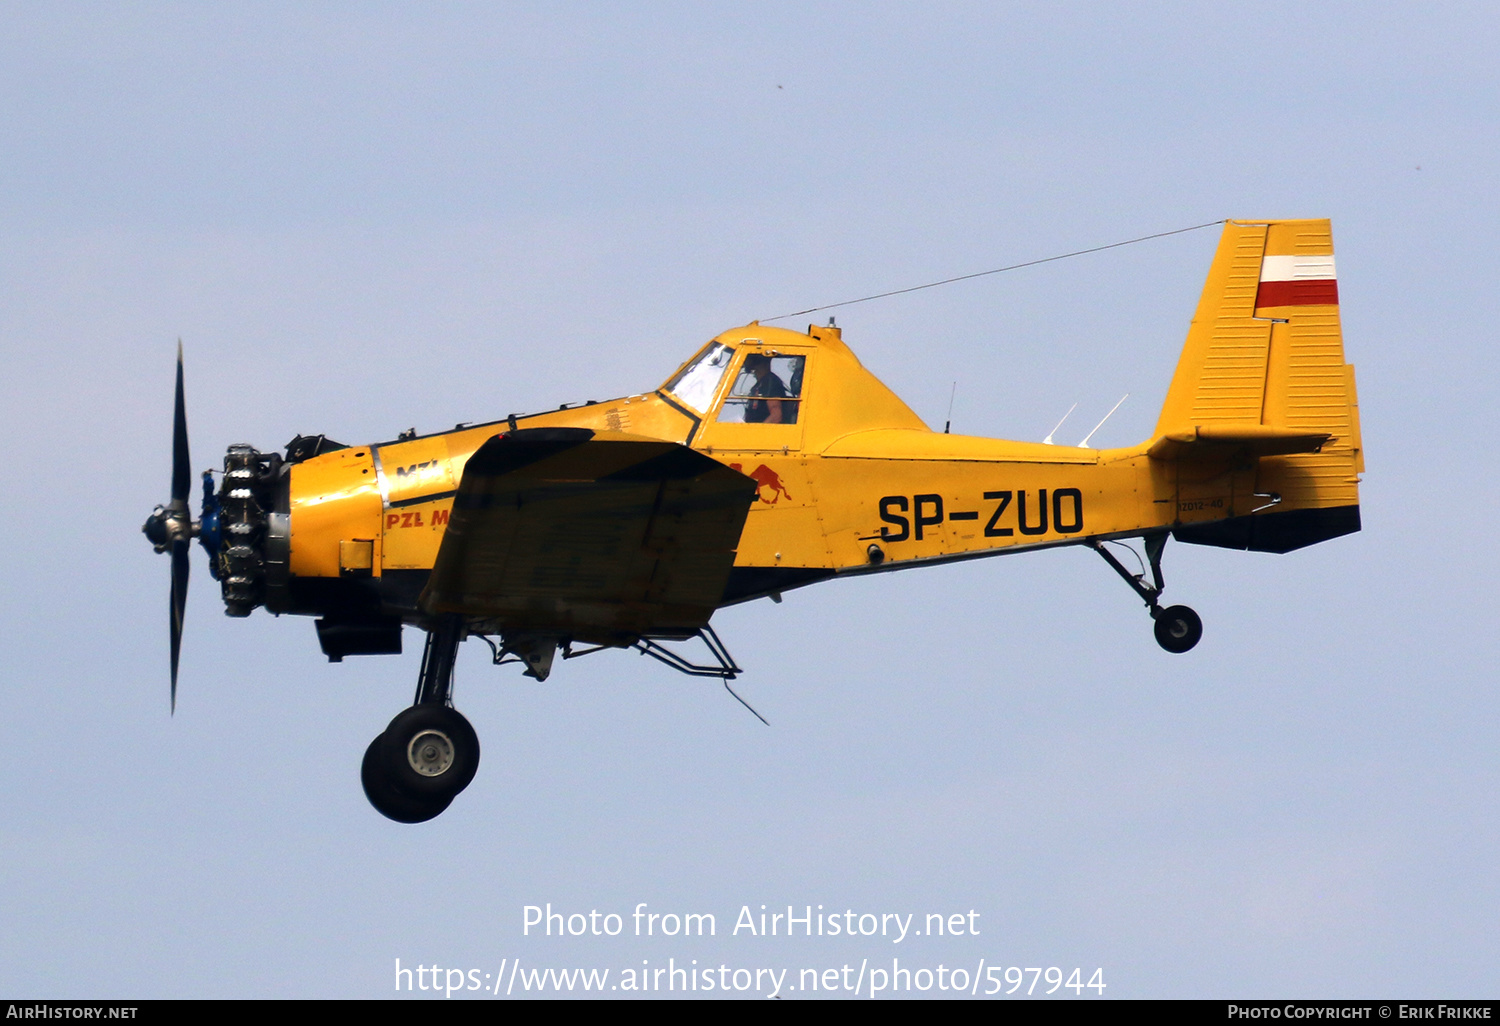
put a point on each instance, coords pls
(699, 380)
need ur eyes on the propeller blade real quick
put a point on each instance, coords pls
(180, 568)
(182, 472)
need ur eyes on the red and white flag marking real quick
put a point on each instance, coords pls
(1297, 281)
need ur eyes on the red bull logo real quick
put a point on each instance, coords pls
(764, 477)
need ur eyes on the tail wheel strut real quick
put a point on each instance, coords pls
(1177, 628)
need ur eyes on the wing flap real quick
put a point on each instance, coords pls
(600, 536)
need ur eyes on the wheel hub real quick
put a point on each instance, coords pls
(430, 753)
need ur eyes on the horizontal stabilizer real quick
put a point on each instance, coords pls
(1215, 442)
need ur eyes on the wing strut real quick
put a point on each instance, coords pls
(726, 670)
(724, 667)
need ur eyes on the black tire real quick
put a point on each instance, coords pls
(1178, 628)
(448, 740)
(389, 802)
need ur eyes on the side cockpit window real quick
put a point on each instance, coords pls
(768, 390)
(696, 383)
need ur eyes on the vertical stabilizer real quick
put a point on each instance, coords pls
(1221, 375)
(1265, 356)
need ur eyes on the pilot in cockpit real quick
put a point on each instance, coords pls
(766, 406)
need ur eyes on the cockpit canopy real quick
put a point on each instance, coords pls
(696, 384)
(767, 388)
(750, 389)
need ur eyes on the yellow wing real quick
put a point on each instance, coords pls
(602, 537)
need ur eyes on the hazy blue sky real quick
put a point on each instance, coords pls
(365, 217)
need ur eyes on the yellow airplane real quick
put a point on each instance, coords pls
(770, 460)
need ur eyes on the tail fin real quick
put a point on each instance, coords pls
(1262, 376)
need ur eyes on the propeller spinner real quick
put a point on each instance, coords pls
(171, 528)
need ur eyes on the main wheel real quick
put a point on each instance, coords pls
(431, 749)
(1178, 628)
(389, 802)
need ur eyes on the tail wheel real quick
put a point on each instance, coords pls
(388, 801)
(1178, 628)
(430, 750)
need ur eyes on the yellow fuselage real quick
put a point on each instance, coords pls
(858, 483)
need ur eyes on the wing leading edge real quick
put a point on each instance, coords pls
(602, 537)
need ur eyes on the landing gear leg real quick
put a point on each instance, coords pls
(429, 753)
(1177, 628)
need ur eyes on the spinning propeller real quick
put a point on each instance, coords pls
(172, 527)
